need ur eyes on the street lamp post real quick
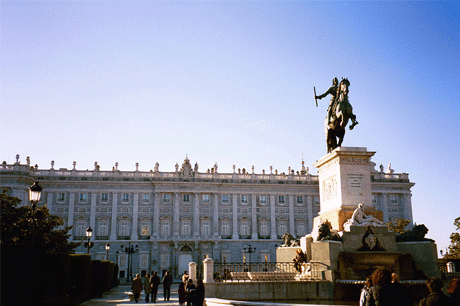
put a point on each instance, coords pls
(34, 195)
(89, 244)
(107, 248)
(249, 251)
(130, 250)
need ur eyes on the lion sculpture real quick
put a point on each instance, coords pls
(326, 234)
(416, 234)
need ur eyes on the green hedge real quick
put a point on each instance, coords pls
(80, 278)
(29, 276)
(22, 270)
(56, 279)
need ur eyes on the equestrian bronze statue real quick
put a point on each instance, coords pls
(338, 113)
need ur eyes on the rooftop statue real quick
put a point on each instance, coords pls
(359, 218)
(338, 113)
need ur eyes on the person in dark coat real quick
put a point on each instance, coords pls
(167, 282)
(382, 292)
(136, 287)
(191, 288)
(154, 284)
(436, 296)
(365, 294)
(199, 294)
(454, 291)
(147, 287)
(182, 294)
(403, 293)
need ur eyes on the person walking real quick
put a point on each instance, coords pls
(136, 287)
(167, 283)
(365, 293)
(147, 287)
(454, 291)
(182, 294)
(436, 296)
(382, 292)
(185, 277)
(199, 293)
(154, 284)
(402, 292)
(190, 288)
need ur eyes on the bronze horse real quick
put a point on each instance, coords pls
(342, 111)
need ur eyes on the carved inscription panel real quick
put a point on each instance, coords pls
(355, 184)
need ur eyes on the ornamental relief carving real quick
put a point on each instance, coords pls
(362, 160)
(328, 165)
(329, 189)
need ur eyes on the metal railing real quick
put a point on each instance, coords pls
(266, 271)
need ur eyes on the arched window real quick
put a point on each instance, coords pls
(166, 227)
(186, 229)
(80, 227)
(264, 228)
(225, 227)
(123, 229)
(103, 227)
(206, 227)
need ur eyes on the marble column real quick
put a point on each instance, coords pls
(92, 216)
(407, 209)
(235, 216)
(291, 216)
(385, 207)
(215, 218)
(113, 226)
(49, 201)
(310, 212)
(176, 215)
(196, 214)
(254, 217)
(156, 214)
(135, 231)
(273, 234)
(71, 213)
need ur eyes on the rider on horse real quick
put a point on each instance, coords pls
(333, 92)
(338, 114)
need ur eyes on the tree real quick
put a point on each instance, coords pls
(397, 226)
(453, 251)
(16, 227)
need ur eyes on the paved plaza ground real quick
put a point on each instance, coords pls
(119, 296)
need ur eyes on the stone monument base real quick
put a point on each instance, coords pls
(286, 254)
(339, 216)
(355, 239)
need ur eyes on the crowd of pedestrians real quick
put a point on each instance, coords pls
(189, 293)
(384, 289)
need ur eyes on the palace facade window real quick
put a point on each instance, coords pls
(186, 229)
(103, 228)
(299, 199)
(225, 198)
(225, 228)
(61, 197)
(263, 199)
(123, 230)
(83, 197)
(104, 197)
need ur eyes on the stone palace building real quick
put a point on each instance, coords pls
(182, 216)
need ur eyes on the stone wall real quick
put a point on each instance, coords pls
(269, 291)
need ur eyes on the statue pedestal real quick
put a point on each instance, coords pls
(345, 181)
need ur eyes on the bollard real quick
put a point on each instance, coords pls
(208, 268)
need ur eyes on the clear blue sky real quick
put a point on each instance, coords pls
(232, 82)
